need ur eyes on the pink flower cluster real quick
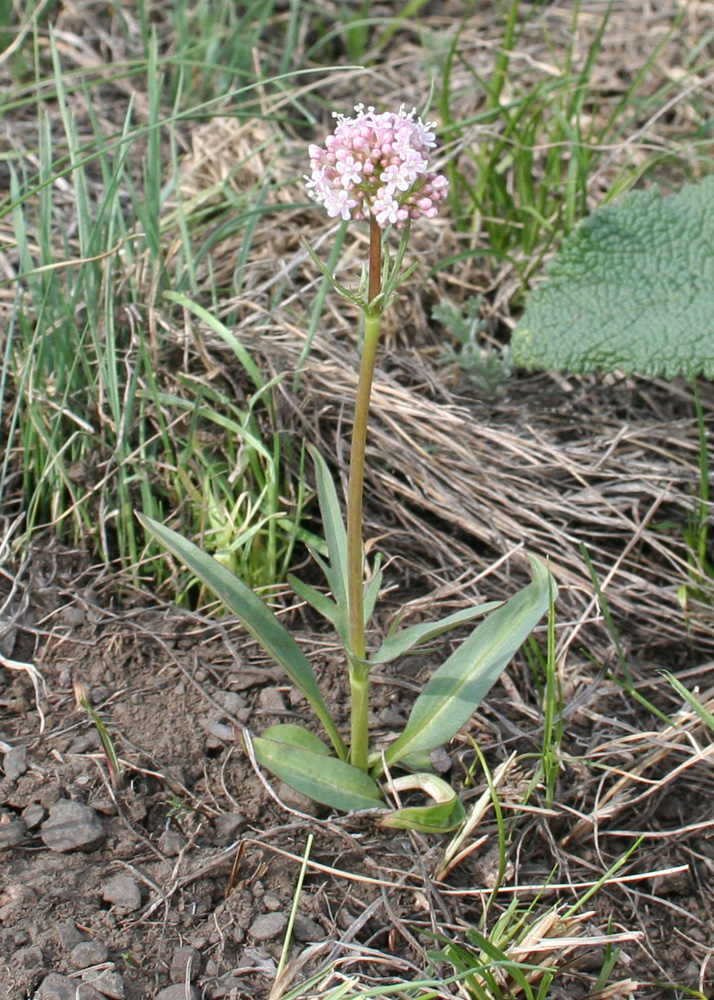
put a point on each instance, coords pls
(377, 164)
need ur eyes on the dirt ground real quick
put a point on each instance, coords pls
(182, 866)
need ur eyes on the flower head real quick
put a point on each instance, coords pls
(377, 165)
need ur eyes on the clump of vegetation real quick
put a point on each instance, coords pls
(485, 368)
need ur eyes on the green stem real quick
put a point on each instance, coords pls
(357, 651)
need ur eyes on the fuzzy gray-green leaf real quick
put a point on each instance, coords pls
(632, 290)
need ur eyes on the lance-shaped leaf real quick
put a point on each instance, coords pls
(323, 779)
(459, 685)
(254, 615)
(334, 528)
(320, 602)
(371, 591)
(296, 736)
(397, 645)
(443, 814)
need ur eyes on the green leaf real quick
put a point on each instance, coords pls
(334, 528)
(445, 812)
(327, 780)
(319, 601)
(632, 289)
(457, 688)
(296, 736)
(397, 645)
(254, 615)
(371, 591)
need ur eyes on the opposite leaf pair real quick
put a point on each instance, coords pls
(448, 700)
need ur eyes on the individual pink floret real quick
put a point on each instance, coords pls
(377, 165)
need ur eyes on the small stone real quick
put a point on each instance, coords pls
(228, 825)
(72, 615)
(307, 930)
(67, 934)
(171, 842)
(87, 953)
(56, 987)
(123, 893)
(33, 814)
(179, 963)
(271, 699)
(228, 986)
(392, 717)
(31, 958)
(268, 926)
(12, 833)
(252, 959)
(107, 981)
(15, 762)
(294, 799)
(50, 795)
(179, 992)
(231, 701)
(104, 805)
(90, 740)
(271, 902)
(441, 761)
(72, 826)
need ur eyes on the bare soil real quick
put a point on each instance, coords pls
(210, 847)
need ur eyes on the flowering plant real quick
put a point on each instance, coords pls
(374, 168)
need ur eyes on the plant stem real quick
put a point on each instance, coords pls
(357, 651)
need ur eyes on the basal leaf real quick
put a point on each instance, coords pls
(254, 615)
(397, 645)
(632, 289)
(444, 813)
(326, 780)
(295, 736)
(457, 688)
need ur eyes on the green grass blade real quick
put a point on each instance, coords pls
(319, 601)
(223, 332)
(254, 615)
(691, 699)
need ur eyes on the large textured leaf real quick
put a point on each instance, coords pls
(457, 688)
(631, 289)
(397, 645)
(254, 615)
(327, 780)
